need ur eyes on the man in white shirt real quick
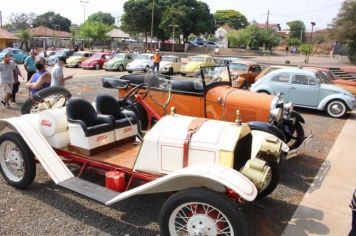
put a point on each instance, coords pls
(57, 73)
(7, 67)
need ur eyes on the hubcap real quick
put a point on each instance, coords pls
(198, 219)
(336, 108)
(11, 161)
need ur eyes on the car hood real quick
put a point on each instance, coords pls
(165, 63)
(334, 88)
(191, 66)
(114, 60)
(139, 62)
(252, 106)
(75, 58)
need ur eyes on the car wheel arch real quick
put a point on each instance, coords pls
(325, 101)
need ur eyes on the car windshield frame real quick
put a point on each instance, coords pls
(97, 56)
(198, 59)
(143, 57)
(171, 59)
(120, 56)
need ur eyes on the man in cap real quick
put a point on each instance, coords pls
(30, 65)
(57, 73)
(7, 67)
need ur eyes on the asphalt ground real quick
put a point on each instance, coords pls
(47, 209)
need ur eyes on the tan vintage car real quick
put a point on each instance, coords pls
(242, 72)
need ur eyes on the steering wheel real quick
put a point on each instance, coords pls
(134, 91)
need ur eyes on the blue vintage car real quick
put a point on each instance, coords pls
(53, 59)
(307, 89)
(18, 55)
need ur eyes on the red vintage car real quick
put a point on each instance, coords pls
(96, 61)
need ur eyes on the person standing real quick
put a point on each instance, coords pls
(353, 208)
(57, 73)
(16, 85)
(29, 64)
(156, 60)
(41, 79)
(7, 67)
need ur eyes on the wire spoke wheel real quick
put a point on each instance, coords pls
(198, 218)
(52, 102)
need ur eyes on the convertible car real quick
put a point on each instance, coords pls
(215, 99)
(206, 164)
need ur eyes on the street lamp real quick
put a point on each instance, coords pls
(152, 21)
(174, 26)
(311, 40)
(84, 2)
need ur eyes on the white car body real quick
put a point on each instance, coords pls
(142, 63)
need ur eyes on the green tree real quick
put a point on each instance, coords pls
(345, 27)
(52, 20)
(268, 38)
(305, 49)
(24, 35)
(294, 42)
(21, 21)
(105, 18)
(232, 18)
(240, 37)
(297, 28)
(94, 30)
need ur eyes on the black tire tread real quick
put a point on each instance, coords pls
(276, 175)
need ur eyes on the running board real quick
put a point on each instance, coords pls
(88, 189)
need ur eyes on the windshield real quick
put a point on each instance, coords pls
(96, 55)
(237, 66)
(143, 57)
(59, 54)
(78, 54)
(198, 59)
(322, 78)
(120, 56)
(170, 59)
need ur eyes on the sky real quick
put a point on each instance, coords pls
(281, 11)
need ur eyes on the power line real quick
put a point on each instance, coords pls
(321, 9)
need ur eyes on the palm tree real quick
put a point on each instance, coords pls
(24, 36)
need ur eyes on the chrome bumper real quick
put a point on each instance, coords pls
(295, 152)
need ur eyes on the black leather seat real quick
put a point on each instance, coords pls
(81, 112)
(108, 105)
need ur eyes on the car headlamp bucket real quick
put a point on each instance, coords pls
(257, 171)
(276, 114)
(288, 107)
(270, 148)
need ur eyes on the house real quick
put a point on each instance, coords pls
(275, 27)
(7, 39)
(221, 34)
(44, 37)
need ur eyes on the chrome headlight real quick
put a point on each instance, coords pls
(275, 114)
(288, 108)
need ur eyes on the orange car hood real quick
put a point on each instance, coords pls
(252, 106)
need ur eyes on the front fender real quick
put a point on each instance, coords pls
(298, 117)
(264, 87)
(214, 177)
(268, 128)
(339, 96)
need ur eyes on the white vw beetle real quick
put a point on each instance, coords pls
(170, 65)
(142, 62)
(208, 163)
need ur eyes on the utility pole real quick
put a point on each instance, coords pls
(267, 19)
(84, 2)
(152, 22)
(311, 42)
(0, 19)
(174, 26)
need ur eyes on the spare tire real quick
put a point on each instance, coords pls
(48, 98)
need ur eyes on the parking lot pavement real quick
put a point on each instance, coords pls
(325, 209)
(46, 209)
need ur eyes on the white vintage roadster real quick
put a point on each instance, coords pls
(209, 164)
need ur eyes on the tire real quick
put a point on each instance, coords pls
(171, 71)
(31, 103)
(21, 157)
(130, 71)
(97, 67)
(146, 69)
(79, 64)
(121, 68)
(297, 137)
(202, 201)
(274, 181)
(336, 108)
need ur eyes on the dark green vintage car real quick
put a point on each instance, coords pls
(118, 62)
